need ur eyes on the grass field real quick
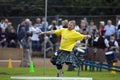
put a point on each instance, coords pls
(6, 73)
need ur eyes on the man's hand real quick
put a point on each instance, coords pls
(87, 36)
(41, 33)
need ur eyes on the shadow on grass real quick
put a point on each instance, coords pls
(4, 73)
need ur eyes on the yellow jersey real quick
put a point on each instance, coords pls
(68, 38)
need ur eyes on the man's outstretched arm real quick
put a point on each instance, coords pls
(48, 32)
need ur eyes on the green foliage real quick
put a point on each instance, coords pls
(59, 7)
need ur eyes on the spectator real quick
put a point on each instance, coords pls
(112, 48)
(77, 28)
(8, 29)
(118, 35)
(6, 21)
(3, 24)
(44, 22)
(101, 27)
(39, 23)
(12, 39)
(3, 38)
(44, 28)
(35, 37)
(92, 27)
(61, 25)
(27, 23)
(21, 30)
(53, 38)
(64, 24)
(110, 29)
(118, 22)
(53, 25)
(102, 42)
(26, 42)
(82, 26)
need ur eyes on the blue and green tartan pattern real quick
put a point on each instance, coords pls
(67, 57)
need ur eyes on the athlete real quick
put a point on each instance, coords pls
(69, 37)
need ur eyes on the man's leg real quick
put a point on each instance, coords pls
(59, 68)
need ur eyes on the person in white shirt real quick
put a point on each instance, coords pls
(110, 29)
(3, 25)
(77, 28)
(35, 37)
(64, 24)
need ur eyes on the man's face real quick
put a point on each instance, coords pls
(112, 38)
(38, 20)
(109, 22)
(70, 26)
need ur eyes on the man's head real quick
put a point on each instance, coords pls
(109, 22)
(112, 37)
(38, 20)
(71, 25)
(102, 23)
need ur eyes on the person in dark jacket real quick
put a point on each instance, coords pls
(12, 39)
(21, 31)
(3, 37)
(102, 41)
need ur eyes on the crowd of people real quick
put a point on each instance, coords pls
(11, 37)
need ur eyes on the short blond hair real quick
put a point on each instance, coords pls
(73, 22)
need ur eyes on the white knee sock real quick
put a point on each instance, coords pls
(60, 73)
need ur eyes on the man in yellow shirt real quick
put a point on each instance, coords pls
(69, 37)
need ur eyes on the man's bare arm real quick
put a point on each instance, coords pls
(48, 32)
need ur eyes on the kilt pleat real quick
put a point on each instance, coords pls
(65, 57)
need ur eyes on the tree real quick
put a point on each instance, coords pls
(59, 7)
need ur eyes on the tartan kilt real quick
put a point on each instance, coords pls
(60, 57)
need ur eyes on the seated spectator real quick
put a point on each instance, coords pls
(12, 39)
(3, 37)
(8, 29)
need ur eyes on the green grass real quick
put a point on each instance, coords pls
(5, 73)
